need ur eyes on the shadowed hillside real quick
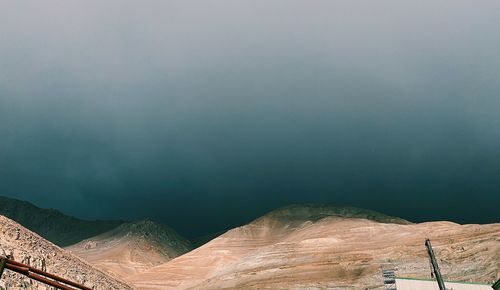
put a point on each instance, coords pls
(51, 224)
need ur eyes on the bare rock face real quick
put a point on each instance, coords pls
(318, 247)
(132, 248)
(29, 248)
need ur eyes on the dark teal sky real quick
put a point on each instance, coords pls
(206, 114)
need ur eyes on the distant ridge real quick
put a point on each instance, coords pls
(315, 211)
(51, 224)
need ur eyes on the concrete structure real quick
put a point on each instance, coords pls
(427, 284)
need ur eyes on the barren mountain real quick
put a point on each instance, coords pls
(328, 247)
(51, 224)
(132, 248)
(29, 248)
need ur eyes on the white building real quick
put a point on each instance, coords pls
(424, 284)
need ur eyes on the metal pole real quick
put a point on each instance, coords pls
(26, 272)
(40, 275)
(40, 272)
(435, 265)
(496, 286)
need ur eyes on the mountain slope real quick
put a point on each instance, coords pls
(28, 247)
(328, 247)
(51, 224)
(132, 248)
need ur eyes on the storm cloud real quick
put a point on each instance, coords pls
(206, 114)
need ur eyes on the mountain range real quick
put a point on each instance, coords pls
(320, 247)
(295, 247)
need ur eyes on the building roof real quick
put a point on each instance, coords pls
(403, 283)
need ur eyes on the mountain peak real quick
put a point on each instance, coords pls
(142, 227)
(314, 212)
(133, 247)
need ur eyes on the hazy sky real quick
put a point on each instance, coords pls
(206, 114)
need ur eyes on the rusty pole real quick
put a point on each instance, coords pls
(39, 275)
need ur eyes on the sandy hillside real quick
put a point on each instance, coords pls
(132, 248)
(29, 248)
(320, 247)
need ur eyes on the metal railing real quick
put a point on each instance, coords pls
(39, 275)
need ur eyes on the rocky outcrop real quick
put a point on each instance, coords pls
(27, 247)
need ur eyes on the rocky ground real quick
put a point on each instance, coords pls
(27, 247)
(132, 248)
(320, 247)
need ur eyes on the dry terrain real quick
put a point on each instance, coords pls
(27, 247)
(132, 248)
(296, 247)
(327, 247)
